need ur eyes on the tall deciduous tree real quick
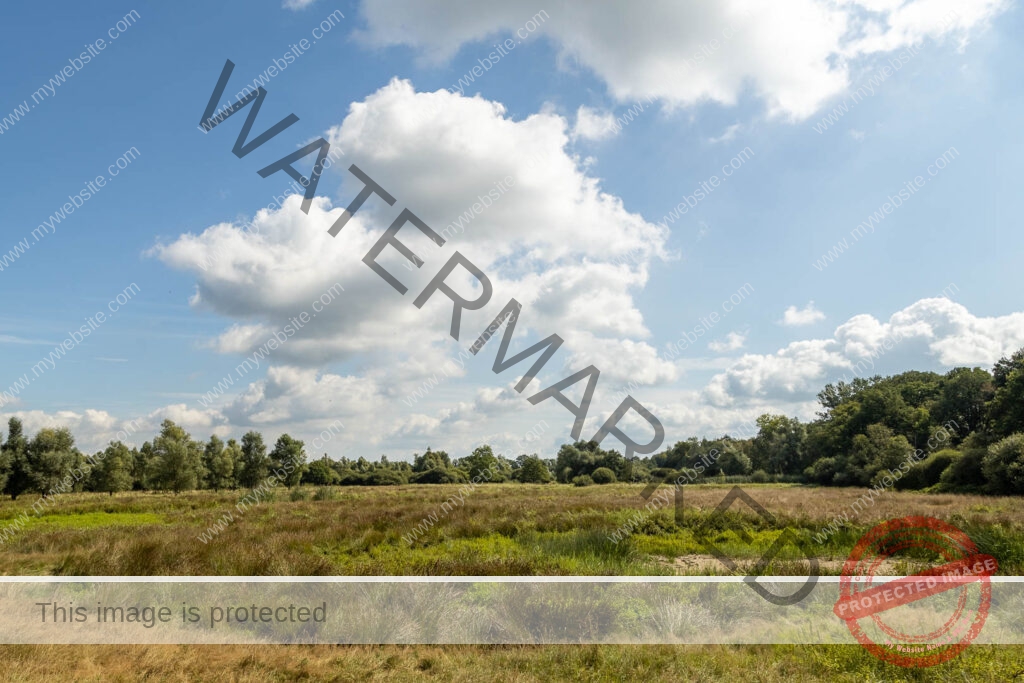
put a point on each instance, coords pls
(778, 446)
(482, 465)
(320, 473)
(55, 464)
(531, 470)
(113, 469)
(964, 394)
(288, 460)
(178, 460)
(1004, 465)
(142, 466)
(1006, 410)
(219, 463)
(254, 460)
(233, 452)
(15, 455)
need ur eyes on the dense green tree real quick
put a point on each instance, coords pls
(386, 476)
(255, 463)
(897, 452)
(1004, 465)
(603, 475)
(5, 463)
(965, 473)
(15, 453)
(177, 459)
(965, 392)
(822, 471)
(112, 469)
(233, 452)
(55, 465)
(530, 469)
(320, 473)
(439, 475)
(431, 460)
(288, 460)
(482, 465)
(1006, 410)
(142, 467)
(929, 471)
(779, 444)
(583, 457)
(678, 456)
(873, 455)
(733, 461)
(835, 395)
(219, 463)
(435, 467)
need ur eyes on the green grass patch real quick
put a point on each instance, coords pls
(92, 520)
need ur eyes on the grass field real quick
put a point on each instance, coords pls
(515, 664)
(499, 529)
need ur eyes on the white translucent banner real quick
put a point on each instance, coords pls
(505, 610)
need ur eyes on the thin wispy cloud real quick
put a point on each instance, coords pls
(11, 339)
(728, 135)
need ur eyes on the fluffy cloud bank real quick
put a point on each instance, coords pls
(571, 253)
(688, 52)
(305, 401)
(936, 330)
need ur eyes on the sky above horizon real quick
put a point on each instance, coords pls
(821, 192)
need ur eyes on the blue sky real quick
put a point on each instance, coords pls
(557, 241)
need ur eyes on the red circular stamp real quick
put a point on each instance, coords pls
(925, 618)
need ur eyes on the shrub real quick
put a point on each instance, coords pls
(733, 462)
(352, 478)
(823, 471)
(439, 475)
(298, 494)
(382, 477)
(582, 480)
(325, 493)
(532, 470)
(602, 475)
(1003, 466)
(482, 465)
(965, 473)
(928, 472)
(320, 473)
(660, 473)
(760, 477)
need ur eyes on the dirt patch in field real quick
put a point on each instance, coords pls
(709, 565)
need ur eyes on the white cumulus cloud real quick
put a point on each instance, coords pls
(592, 124)
(731, 342)
(935, 333)
(571, 253)
(808, 315)
(794, 57)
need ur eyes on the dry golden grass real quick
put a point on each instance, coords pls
(514, 664)
(360, 531)
(501, 529)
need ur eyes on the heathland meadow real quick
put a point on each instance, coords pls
(496, 529)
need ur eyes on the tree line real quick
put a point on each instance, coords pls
(958, 431)
(49, 463)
